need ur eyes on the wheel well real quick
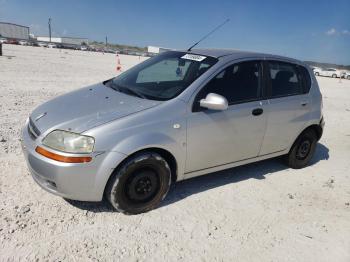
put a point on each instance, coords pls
(317, 129)
(169, 158)
(165, 154)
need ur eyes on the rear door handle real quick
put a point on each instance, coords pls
(257, 111)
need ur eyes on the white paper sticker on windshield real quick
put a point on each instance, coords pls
(198, 58)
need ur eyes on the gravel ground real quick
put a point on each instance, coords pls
(258, 212)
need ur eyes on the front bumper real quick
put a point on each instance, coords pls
(82, 181)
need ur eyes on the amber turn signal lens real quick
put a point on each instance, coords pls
(60, 158)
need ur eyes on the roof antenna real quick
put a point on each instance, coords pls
(204, 37)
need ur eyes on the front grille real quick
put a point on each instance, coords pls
(33, 130)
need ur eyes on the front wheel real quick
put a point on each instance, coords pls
(317, 74)
(348, 77)
(139, 184)
(334, 76)
(302, 150)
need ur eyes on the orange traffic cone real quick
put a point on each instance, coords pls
(119, 65)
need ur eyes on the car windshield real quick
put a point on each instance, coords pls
(162, 77)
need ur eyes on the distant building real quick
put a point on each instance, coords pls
(157, 50)
(14, 31)
(64, 40)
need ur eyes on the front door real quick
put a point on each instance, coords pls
(217, 138)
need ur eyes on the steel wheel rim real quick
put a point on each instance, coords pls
(303, 149)
(142, 186)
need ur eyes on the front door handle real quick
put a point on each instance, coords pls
(304, 103)
(257, 111)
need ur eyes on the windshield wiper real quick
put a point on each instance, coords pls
(133, 91)
(120, 88)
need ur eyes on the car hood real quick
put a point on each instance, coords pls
(86, 108)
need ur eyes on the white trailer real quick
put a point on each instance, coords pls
(14, 31)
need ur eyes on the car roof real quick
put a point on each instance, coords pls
(236, 54)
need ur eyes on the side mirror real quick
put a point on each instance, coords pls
(214, 102)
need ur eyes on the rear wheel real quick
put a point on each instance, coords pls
(302, 150)
(348, 77)
(140, 184)
(334, 75)
(317, 74)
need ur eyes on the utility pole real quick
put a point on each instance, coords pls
(0, 47)
(106, 41)
(50, 28)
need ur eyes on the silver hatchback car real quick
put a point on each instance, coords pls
(175, 116)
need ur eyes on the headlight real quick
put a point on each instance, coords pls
(69, 142)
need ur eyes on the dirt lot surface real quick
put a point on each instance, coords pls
(258, 212)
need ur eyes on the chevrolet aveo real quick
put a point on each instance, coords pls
(175, 116)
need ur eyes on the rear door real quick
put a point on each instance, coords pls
(288, 106)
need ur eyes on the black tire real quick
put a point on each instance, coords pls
(334, 76)
(139, 184)
(348, 77)
(302, 150)
(317, 74)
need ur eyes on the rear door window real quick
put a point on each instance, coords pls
(284, 79)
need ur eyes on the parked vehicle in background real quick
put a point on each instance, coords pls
(175, 116)
(330, 72)
(346, 75)
(23, 42)
(12, 41)
(315, 68)
(51, 45)
(3, 40)
(42, 44)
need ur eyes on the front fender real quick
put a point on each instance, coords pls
(137, 142)
(133, 144)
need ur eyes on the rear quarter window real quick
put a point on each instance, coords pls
(306, 79)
